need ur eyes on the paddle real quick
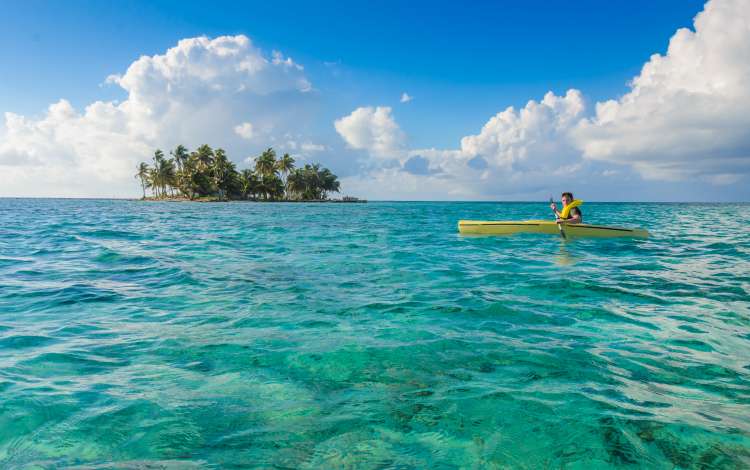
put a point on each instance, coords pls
(559, 225)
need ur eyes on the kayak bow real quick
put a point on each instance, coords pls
(489, 227)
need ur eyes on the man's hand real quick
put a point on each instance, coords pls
(553, 206)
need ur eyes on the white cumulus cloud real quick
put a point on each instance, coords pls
(405, 98)
(244, 130)
(517, 152)
(372, 129)
(532, 138)
(686, 114)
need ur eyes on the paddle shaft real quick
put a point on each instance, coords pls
(559, 224)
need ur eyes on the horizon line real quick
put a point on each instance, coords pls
(532, 201)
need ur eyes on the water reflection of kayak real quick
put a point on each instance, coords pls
(496, 227)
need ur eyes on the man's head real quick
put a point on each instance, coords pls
(567, 198)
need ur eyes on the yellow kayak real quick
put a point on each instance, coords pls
(489, 227)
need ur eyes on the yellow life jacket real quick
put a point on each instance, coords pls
(565, 213)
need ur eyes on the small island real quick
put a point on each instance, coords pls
(207, 174)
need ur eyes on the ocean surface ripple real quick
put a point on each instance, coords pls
(181, 335)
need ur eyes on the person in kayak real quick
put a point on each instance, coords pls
(575, 216)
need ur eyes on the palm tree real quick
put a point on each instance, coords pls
(199, 173)
(158, 158)
(272, 187)
(153, 181)
(250, 184)
(204, 155)
(328, 182)
(187, 179)
(312, 174)
(156, 174)
(285, 165)
(143, 172)
(167, 175)
(180, 154)
(224, 172)
(265, 164)
(295, 184)
(163, 174)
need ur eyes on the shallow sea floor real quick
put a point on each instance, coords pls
(179, 335)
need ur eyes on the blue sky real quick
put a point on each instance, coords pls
(462, 63)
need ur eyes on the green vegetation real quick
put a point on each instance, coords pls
(207, 174)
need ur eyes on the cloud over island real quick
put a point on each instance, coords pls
(199, 91)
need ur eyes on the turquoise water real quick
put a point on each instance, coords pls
(177, 335)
